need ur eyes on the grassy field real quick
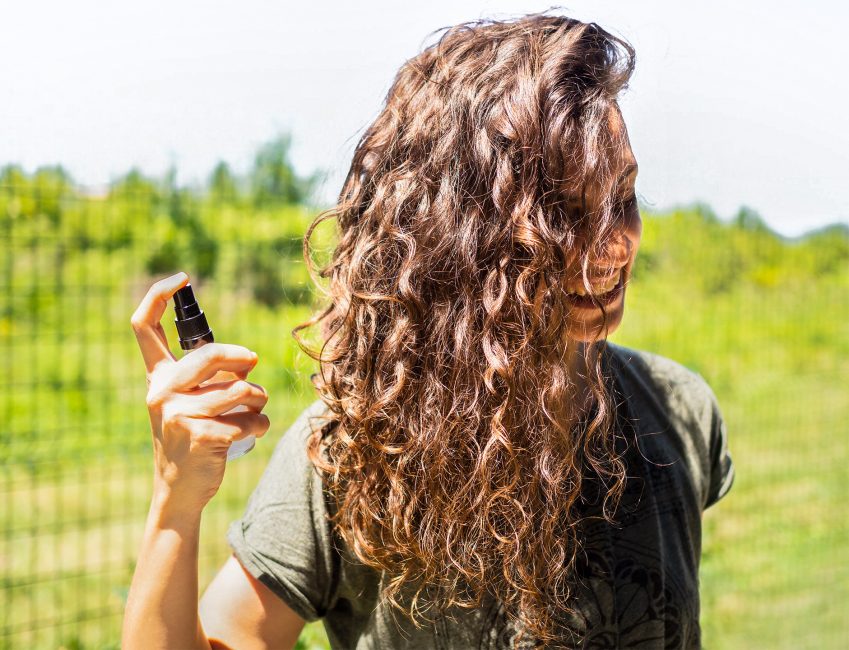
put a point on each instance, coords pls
(763, 320)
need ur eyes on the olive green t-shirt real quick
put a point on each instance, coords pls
(640, 576)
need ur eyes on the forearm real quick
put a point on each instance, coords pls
(162, 606)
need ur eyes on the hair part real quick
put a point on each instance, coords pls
(450, 462)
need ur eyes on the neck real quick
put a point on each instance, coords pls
(579, 361)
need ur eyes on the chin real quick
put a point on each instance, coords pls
(588, 330)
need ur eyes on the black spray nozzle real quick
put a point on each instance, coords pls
(192, 327)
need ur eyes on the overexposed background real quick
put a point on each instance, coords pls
(731, 104)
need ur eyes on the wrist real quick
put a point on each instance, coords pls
(167, 512)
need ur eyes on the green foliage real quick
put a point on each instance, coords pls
(826, 250)
(273, 179)
(51, 186)
(223, 185)
(713, 257)
(173, 228)
(44, 194)
(136, 190)
(272, 280)
(180, 239)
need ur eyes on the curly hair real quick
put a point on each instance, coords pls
(451, 464)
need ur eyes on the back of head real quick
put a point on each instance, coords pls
(489, 171)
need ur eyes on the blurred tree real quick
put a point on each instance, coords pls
(135, 188)
(133, 200)
(204, 250)
(16, 193)
(273, 179)
(164, 258)
(223, 187)
(827, 249)
(51, 186)
(13, 179)
(183, 240)
(264, 270)
(189, 246)
(704, 212)
(183, 205)
(748, 219)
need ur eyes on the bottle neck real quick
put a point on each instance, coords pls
(190, 344)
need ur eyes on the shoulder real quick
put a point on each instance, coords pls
(658, 367)
(308, 420)
(291, 446)
(670, 398)
(670, 384)
(284, 538)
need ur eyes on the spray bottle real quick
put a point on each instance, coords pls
(194, 332)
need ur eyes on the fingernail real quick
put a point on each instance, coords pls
(178, 277)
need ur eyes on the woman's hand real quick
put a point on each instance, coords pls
(188, 400)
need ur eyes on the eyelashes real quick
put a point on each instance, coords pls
(574, 215)
(626, 205)
(630, 201)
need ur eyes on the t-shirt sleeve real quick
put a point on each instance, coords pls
(283, 538)
(721, 464)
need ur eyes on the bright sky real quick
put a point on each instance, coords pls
(732, 102)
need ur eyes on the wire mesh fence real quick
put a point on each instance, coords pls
(763, 319)
(75, 438)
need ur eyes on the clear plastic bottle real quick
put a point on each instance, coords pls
(194, 332)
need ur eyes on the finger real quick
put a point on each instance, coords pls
(215, 399)
(146, 320)
(246, 423)
(201, 364)
(243, 373)
(228, 428)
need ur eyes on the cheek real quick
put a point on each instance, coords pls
(639, 233)
(634, 233)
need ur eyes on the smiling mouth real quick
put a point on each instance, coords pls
(600, 288)
(609, 296)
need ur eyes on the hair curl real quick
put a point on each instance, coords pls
(451, 464)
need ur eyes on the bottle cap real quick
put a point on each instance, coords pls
(192, 327)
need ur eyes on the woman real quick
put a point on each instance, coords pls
(481, 469)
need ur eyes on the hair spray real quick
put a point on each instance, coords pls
(193, 330)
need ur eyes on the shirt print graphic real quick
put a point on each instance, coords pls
(637, 585)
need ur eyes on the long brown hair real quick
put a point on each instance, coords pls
(441, 356)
